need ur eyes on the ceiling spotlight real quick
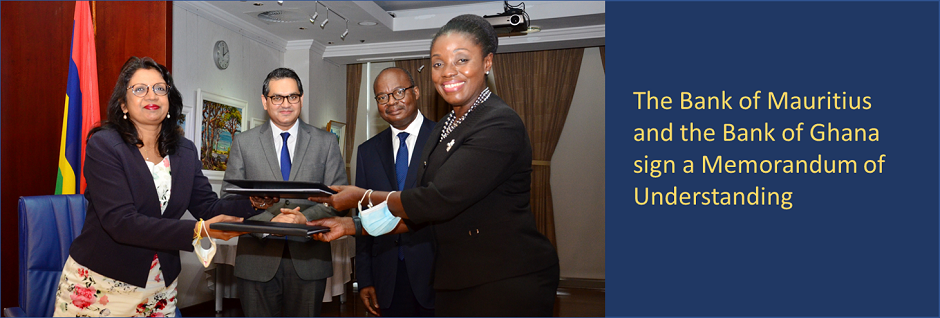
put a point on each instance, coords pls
(420, 68)
(280, 3)
(323, 25)
(316, 12)
(313, 19)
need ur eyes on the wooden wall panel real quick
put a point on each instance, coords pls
(129, 28)
(34, 55)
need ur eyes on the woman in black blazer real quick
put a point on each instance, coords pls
(475, 187)
(126, 260)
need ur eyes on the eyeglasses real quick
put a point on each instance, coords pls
(277, 100)
(140, 90)
(399, 94)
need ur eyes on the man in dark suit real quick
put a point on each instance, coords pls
(278, 276)
(394, 271)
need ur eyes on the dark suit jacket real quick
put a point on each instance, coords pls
(377, 257)
(316, 159)
(475, 191)
(123, 224)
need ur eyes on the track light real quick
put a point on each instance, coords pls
(280, 3)
(316, 12)
(313, 19)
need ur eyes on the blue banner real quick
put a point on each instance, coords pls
(778, 159)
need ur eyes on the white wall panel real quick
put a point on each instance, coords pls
(193, 68)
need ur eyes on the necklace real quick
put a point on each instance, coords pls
(452, 123)
(146, 153)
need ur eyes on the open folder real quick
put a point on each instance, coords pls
(282, 189)
(269, 227)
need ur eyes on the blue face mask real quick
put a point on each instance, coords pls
(378, 220)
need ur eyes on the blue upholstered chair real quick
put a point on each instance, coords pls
(47, 226)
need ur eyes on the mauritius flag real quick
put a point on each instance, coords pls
(81, 103)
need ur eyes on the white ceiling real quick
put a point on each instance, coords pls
(402, 29)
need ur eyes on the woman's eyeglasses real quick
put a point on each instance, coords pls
(140, 90)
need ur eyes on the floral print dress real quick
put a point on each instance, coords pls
(83, 292)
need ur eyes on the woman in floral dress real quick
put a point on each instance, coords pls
(142, 175)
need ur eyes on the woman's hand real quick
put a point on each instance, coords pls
(339, 227)
(261, 203)
(347, 197)
(224, 235)
(290, 216)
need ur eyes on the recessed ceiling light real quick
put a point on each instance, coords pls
(258, 4)
(366, 23)
(303, 28)
(282, 16)
(331, 42)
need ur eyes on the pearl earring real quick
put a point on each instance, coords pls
(167, 115)
(125, 115)
(487, 72)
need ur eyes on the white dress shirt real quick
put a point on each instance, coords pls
(413, 129)
(279, 141)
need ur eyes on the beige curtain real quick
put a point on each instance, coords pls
(353, 81)
(431, 104)
(603, 61)
(539, 86)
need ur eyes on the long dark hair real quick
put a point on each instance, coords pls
(170, 131)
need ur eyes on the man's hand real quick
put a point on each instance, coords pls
(290, 216)
(370, 300)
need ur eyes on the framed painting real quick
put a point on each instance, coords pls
(338, 129)
(219, 119)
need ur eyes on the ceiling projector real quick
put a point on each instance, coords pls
(513, 20)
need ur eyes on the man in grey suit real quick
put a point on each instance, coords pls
(280, 276)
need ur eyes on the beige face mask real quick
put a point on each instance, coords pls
(205, 255)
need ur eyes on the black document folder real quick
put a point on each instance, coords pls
(282, 189)
(269, 227)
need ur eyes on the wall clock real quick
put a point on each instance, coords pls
(221, 55)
